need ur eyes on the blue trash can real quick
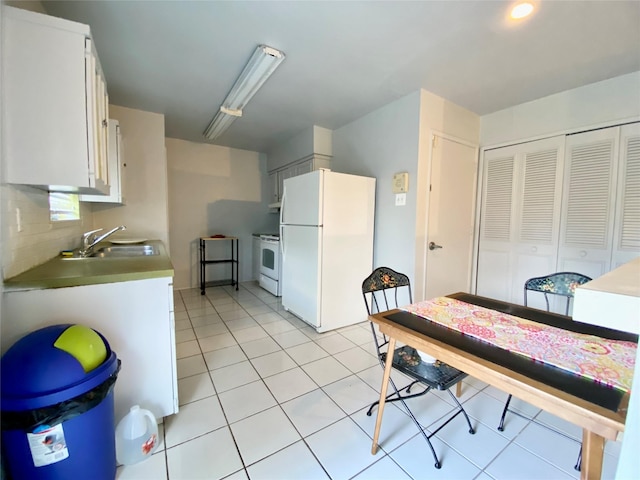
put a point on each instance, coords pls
(57, 407)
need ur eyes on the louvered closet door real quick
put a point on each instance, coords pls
(588, 202)
(494, 255)
(538, 220)
(626, 245)
(519, 220)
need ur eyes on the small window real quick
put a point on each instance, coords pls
(63, 207)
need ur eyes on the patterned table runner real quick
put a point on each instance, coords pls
(609, 362)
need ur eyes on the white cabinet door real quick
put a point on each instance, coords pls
(626, 241)
(273, 192)
(299, 167)
(56, 104)
(135, 317)
(303, 167)
(282, 176)
(116, 169)
(588, 202)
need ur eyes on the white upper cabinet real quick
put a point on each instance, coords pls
(299, 167)
(116, 167)
(55, 105)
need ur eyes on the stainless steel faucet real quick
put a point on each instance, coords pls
(90, 239)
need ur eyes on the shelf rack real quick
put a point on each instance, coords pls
(234, 260)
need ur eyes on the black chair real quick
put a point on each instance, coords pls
(386, 289)
(563, 284)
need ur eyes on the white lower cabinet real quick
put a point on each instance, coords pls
(135, 317)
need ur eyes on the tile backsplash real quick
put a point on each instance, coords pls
(38, 239)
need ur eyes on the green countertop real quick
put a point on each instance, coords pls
(59, 272)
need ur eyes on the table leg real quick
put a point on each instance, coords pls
(202, 266)
(383, 393)
(592, 456)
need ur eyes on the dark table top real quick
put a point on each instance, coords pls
(586, 389)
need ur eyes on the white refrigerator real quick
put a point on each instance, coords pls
(326, 240)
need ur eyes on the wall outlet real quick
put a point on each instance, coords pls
(401, 199)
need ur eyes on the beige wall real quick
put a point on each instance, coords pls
(145, 183)
(214, 190)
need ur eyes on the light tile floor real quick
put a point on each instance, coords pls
(264, 396)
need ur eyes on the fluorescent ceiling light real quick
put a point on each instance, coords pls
(261, 65)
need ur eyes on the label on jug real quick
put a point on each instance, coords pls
(149, 445)
(47, 445)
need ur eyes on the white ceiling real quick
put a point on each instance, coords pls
(347, 58)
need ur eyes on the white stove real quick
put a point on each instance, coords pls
(270, 264)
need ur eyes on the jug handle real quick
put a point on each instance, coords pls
(151, 418)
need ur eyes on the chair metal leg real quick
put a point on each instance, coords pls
(471, 430)
(389, 398)
(415, 420)
(396, 396)
(579, 460)
(504, 413)
(578, 464)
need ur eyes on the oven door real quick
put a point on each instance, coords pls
(270, 258)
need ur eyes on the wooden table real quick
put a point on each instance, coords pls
(599, 410)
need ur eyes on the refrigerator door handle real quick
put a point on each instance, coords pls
(283, 203)
(282, 242)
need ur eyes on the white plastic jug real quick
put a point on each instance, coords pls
(136, 436)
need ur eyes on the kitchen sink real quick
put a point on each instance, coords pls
(125, 251)
(118, 251)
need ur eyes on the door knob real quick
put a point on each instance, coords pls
(434, 246)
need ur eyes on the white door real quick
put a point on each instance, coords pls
(520, 216)
(626, 245)
(302, 200)
(301, 250)
(537, 223)
(586, 233)
(451, 211)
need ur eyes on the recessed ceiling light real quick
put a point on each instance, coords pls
(521, 10)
